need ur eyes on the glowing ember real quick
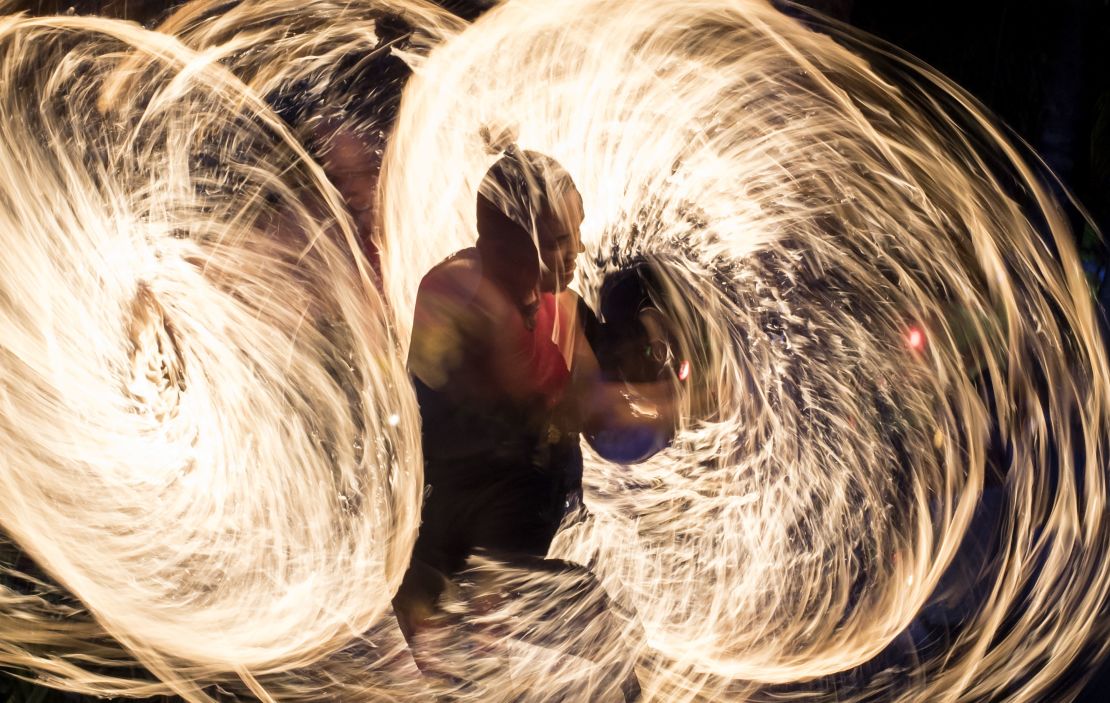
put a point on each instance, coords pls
(915, 338)
(684, 370)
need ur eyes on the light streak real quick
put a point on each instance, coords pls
(186, 419)
(197, 377)
(799, 207)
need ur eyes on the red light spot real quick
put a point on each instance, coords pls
(684, 370)
(915, 338)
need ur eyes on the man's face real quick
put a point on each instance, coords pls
(560, 240)
(352, 167)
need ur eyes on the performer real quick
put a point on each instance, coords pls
(505, 380)
(493, 344)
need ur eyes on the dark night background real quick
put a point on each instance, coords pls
(1043, 66)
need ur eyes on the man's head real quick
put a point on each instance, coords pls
(529, 215)
(344, 116)
(560, 239)
(352, 162)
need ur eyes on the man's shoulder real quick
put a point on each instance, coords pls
(458, 274)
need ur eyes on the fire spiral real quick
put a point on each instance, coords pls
(889, 481)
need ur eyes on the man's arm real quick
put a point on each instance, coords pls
(607, 404)
(443, 322)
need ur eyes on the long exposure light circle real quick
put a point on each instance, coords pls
(197, 373)
(801, 212)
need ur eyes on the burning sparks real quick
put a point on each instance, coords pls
(684, 370)
(210, 442)
(915, 339)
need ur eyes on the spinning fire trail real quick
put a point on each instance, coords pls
(209, 449)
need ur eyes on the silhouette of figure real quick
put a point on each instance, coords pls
(505, 381)
(492, 350)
